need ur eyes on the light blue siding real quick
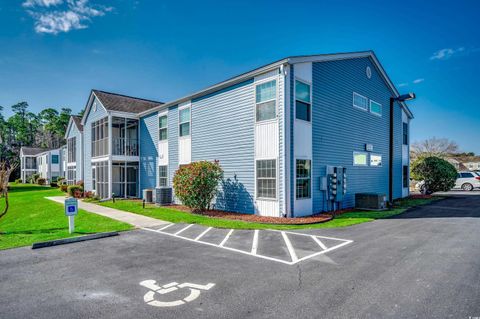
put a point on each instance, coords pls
(148, 151)
(292, 139)
(87, 145)
(75, 132)
(223, 129)
(339, 128)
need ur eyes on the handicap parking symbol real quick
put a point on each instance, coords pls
(194, 292)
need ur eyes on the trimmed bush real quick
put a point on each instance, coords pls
(53, 184)
(34, 178)
(196, 184)
(75, 191)
(41, 181)
(438, 174)
(18, 181)
(64, 188)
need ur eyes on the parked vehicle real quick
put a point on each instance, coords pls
(468, 181)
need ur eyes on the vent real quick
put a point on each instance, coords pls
(370, 201)
(163, 196)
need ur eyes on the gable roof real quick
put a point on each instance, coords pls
(124, 103)
(32, 151)
(284, 61)
(78, 122)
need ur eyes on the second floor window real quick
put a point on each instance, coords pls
(184, 122)
(265, 99)
(405, 133)
(302, 101)
(55, 159)
(162, 128)
(72, 150)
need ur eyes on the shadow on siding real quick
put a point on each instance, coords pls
(234, 197)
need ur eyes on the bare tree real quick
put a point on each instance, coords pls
(5, 171)
(439, 147)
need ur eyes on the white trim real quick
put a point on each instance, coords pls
(71, 164)
(99, 159)
(89, 106)
(357, 106)
(127, 115)
(362, 153)
(375, 113)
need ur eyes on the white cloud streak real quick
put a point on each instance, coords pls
(418, 81)
(64, 16)
(445, 54)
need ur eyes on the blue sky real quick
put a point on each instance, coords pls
(52, 52)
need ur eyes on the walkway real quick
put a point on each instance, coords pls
(136, 220)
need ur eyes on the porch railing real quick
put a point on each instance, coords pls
(124, 146)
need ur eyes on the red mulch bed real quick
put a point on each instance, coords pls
(319, 218)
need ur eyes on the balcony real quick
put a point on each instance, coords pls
(124, 146)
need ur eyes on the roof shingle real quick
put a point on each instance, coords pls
(123, 103)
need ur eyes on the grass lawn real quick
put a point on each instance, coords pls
(32, 218)
(176, 216)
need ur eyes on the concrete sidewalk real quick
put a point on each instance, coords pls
(136, 220)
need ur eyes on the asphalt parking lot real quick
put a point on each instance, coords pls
(421, 264)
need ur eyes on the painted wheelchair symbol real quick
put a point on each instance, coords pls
(173, 286)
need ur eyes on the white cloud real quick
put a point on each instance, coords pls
(418, 81)
(402, 85)
(64, 16)
(445, 54)
(41, 3)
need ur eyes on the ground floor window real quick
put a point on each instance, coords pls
(303, 178)
(101, 178)
(405, 177)
(162, 176)
(267, 179)
(71, 175)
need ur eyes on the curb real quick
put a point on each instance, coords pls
(72, 240)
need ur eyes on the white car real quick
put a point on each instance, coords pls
(468, 181)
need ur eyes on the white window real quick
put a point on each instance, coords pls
(375, 108)
(184, 122)
(375, 160)
(360, 159)
(302, 101)
(265, 99)
(162, 176)
(267, 179)
(162, 128)
(303, 179)
(360, 101)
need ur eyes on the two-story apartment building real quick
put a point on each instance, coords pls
(74, 158)
(277, 131)
(47, 163)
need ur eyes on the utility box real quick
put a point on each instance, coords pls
(148, 195)
(370, 201)
(163, 196)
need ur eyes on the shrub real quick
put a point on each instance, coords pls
(41, 181)
(64, 188)
(196, 184)
(18, 181)
(53, 184)
(437, 174)
(80, 183)
(61, 181)
(75, 191)
(34, 178)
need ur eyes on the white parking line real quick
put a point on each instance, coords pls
(255, 242)
(290, 247)
(181, 230)
(203, 233)
(253, 252)
(319, 242)
(226, 238)
(165, 227)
